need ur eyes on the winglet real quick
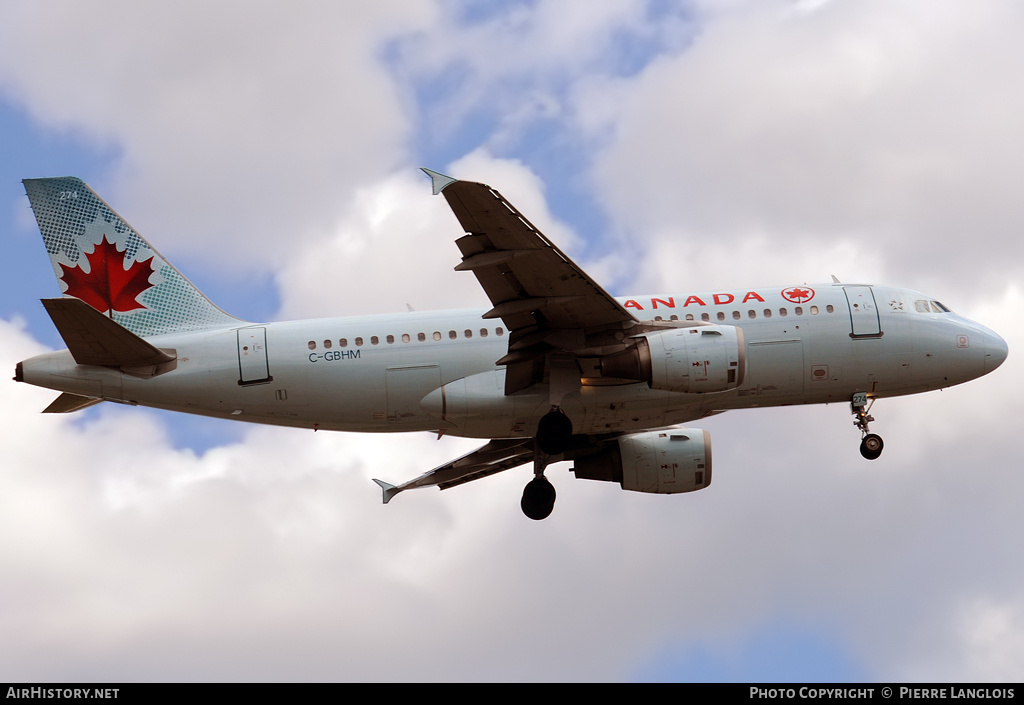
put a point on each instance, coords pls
(389, 490)
(437, 179)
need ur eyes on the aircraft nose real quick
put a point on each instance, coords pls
(996, 351)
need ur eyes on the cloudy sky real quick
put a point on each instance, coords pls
(270, 151)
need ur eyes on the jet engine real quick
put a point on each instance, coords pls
(662, 462)
(694, 359)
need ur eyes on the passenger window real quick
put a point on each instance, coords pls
(751, 313)
(721, 315)
(737, 315)
(673, 317)
(830, 308)
(374, 340)
(405, 338)
(814, 310)
(343, 343)
(705, 317)
(799, 310)
(767, 313)
(421, 337)
(452, 334)
(689, 316)
(499, 331)
(483, 332)
(359, 341)
(390, 339)
(782, 312)
(327, 344)
(312, 345)
(468, 333)
(437, 335)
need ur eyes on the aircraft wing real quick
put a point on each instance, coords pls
(545, 300)
(498, 455)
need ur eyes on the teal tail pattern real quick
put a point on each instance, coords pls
(102, 260)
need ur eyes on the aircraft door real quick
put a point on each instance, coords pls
(406, 386)
(252, 356)
(864, 321)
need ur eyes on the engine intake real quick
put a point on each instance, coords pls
(661, 462)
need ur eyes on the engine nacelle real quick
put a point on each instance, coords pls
(662, 462)
(698, 359)
(694, 359)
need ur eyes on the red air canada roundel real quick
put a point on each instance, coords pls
(798, 294)
(108, 286)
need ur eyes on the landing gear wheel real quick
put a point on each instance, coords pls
(538, 498)
(871, 446)
(554, 432)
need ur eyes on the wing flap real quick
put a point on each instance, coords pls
(496, 456)
(520, 270)
(548, 303)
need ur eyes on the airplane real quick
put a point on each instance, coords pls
(557, 370)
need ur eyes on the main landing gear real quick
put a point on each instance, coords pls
(554, 433)
(871, 443)
(538, 498)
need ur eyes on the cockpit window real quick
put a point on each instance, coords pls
(923, 306)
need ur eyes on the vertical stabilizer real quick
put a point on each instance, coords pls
(101, 260)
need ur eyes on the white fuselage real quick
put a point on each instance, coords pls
(421, 371)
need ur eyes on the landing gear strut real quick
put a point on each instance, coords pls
(554, 433)
(871, 444)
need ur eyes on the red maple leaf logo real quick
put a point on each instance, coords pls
(108, 286)
(798, 295)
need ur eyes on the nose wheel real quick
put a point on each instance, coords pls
(871, 443)
(871, 446)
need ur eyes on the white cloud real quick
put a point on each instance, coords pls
(239, 126)
(889, 127)
(396, 246)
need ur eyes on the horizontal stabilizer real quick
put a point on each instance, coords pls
(94, 339)
(66, 403)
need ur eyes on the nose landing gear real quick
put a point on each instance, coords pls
(871, 443)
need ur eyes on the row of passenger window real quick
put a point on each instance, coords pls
(406, 338)
(737, 315)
